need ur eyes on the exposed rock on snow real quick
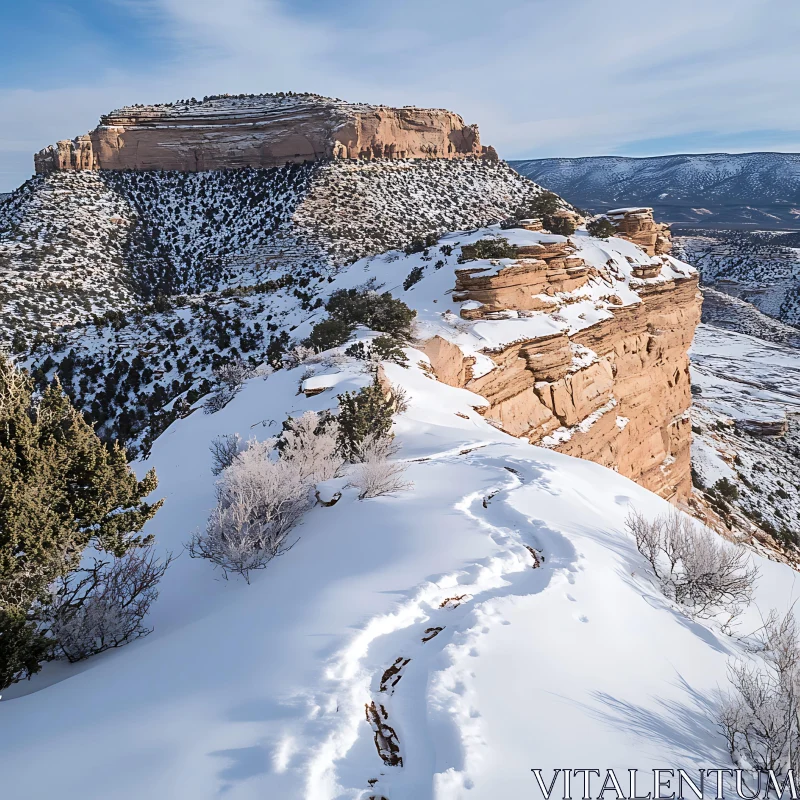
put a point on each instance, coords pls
(260, 131)
(529, 317)
(638, 226)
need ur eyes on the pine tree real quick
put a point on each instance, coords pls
(361, 414)
(61, 489)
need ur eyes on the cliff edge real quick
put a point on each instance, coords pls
(268, 130)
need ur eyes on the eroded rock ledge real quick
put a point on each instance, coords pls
(616, 391)
(260, 131)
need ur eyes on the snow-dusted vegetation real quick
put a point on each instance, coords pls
(762, 267)
(134, 287)
(746, 423)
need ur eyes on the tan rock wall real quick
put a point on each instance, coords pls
(642, 366)
(266, 131)
(637, 225)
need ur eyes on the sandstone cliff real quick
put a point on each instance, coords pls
(588, 352)
(638, 226)
(260, 131)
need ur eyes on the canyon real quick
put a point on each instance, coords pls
(260, 131)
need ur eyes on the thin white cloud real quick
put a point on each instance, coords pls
(541, 78)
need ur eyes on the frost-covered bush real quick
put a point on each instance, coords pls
(297, 355)
(263, 494)
(375, 474)
(310, 442)
(259, 500)
(760, 717)
(103, 606)
(233, 374)
(223, 450)
(694, 567)
(230, 378)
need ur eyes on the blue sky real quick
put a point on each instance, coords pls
(540, 77)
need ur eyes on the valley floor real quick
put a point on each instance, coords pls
(265, 690)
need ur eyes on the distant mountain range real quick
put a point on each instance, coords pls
(750, 190)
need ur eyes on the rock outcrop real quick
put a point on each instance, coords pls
(638, 226)
(261, 131)
(617, 391)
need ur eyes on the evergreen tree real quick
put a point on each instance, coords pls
(362, 413)
(61, 490)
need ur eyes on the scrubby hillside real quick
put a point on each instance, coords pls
(133, 286)
(746, 421)
(762, 268)
(732, 313)
(713, 190)
(429, 644)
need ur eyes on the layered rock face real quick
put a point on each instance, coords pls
(638, 226)
(616, 392)
(260, 131)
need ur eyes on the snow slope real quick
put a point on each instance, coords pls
(259, 691)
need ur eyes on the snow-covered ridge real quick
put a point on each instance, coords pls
(756, 189)
(238, 106)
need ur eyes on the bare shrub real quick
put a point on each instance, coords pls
(399, 398)
(310, 443)
(694, 567)
(760, 717)
(259, 500)
(223, 450)
(230, 378)
(375, 475)
(103, 606)
(233, 374)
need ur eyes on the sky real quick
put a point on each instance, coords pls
(541, 78)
